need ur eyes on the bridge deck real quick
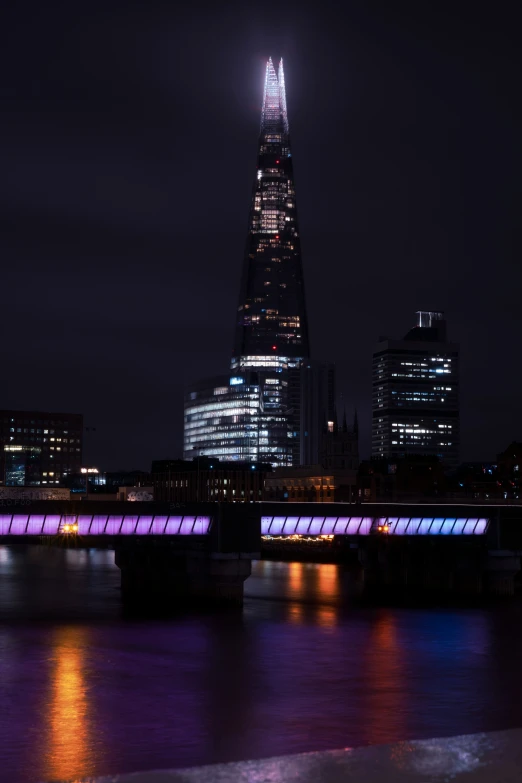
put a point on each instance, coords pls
(103, 524)
(357, 525)
(150, 524)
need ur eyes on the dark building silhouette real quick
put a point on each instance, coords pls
(332, 479)
(340, 445)
(208, 479)
(415, 400)
(315, 399)
(509, 468)
(414, 479)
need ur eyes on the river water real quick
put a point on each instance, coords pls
(86, 689)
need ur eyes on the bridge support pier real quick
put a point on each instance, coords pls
(501, 569)
(436, 567)
(163, 575)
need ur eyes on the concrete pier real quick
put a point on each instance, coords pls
(208, 569)
(166, 575)
(437, 567)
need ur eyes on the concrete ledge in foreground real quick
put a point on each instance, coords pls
(494, 757)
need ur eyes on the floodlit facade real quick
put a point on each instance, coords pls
(415, 401)
(239, 417)
(221, 417)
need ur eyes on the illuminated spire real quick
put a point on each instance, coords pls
(282, 94)
(274, 99)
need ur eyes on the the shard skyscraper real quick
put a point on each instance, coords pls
(272, 328)
(255, 413)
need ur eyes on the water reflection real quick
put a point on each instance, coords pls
(295, 579)
(67, 714)
(318, 587)
(384, 670)
(296, 613)
(299, 669)
(328, 579)
(5, 555)
(328, 582)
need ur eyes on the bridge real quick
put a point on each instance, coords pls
(204, 551)
(52, 518)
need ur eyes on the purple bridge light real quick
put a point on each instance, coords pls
(166, 525)
(103, 524)
(363, 526)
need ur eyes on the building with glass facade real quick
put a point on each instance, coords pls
(272, 325)
(22, 466)
(415, 399)
(259, 412)
(221, 418)
(48, 444)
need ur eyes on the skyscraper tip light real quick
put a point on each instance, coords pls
(274, 97)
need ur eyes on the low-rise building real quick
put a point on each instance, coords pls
(208, 479)
(311, 484)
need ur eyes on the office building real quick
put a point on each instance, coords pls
(415, 400)
(49, 445)
(22, 466)
(221, 418)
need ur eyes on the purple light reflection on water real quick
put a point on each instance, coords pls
(290, 673)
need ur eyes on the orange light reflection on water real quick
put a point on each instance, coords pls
(328, 577)
(313, 584)
(385, 714)
(68, 747)
(296, 579)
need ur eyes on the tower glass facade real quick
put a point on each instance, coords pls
(415, 402)
(272, 327)
(258, 414)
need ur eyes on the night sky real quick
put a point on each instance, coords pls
(128, 153)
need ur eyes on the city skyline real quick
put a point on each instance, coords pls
(407, 175)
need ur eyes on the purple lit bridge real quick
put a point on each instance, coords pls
(204, 551)
(42, 524)
(162, 524)
(364, 526)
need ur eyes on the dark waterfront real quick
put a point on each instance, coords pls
(85, 689)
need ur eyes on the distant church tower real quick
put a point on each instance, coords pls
(340, 445)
